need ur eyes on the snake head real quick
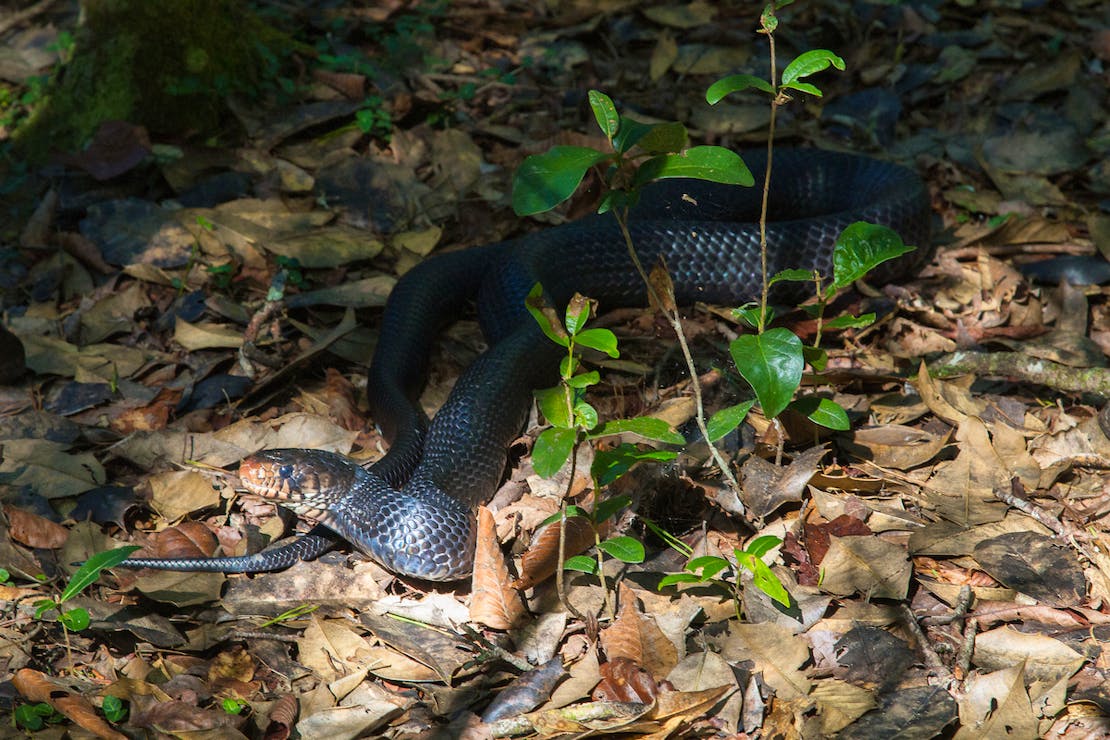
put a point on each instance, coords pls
(306, 481)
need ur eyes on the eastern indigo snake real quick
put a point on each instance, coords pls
(414, 510)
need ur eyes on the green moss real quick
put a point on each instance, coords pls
(168, 66)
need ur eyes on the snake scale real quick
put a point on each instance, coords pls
(414, 510)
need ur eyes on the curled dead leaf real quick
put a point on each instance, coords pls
(493, 601)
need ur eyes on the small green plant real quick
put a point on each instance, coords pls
(33, 717)
(295, 613)
(708, 569)
(77, 619)
(574, 420)
(373, 119)
(232, 705)
(114, 709)
(772, 360)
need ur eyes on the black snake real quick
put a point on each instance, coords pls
(414, 510)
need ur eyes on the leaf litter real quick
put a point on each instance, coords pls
(945, 558)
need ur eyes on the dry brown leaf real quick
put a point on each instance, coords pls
(895, 446)
(151, 417)
(635, 636)
(36, 687)
(283, 714)
(493, 601)
(33, 530)
(625, 680)
(185, 540)
(541, 560)
(688, 705)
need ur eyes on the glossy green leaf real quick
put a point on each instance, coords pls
(665, 138)
(712, 163)
(860, 248)
(602, 340)
(647, 427)
(553, 405)
(823, 412)
(585, 415)
(735, 83)
(581, 563)
(74, 620)
(762, 545)
(766, 581)
(89, 571)
(552, 450)
(572, 512)
(604, 112)
(625, 549)
(584, 380)
(805, 87)
(727, 419)
(772, 364)
(543, 181)
(810, 62)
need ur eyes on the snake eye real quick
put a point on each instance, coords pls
(286, 471)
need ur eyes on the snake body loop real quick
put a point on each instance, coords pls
(414, 511)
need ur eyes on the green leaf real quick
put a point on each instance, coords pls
(767, 582)
(232, 705)
(665, 138)
(572, 512)
(816, 357)
(602, 340)
(727, 419)
(581, 563)
(810, 62)
(89, 571)
(624, 548)
(631, 133)
(605, 113)
(74, 620)
(29, 716)
(543, 181)
(610, 506)
(647, 427)
(536, 306)
(860, 248)
(584, 380)
(609, 465)
(772, 364)
(735, 83)
(762, 545)
(577, 313)
(553, 405)
(5, 576)
(805, 87)
(552, 450)
(823, 411)
(795, 276)
(585, 415)
(847, 321)
(42, 606)
(709, 565)
(673, 578)
(749, 314)
(712, 163)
